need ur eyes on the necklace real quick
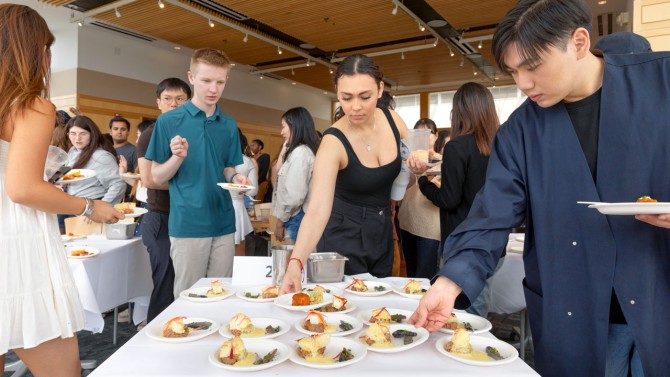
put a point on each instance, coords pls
(368, 147)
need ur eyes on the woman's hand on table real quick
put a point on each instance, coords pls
(105, 213)
(662, 221)
(436, 305)
(292, 281)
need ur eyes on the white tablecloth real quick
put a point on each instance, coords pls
(506, 289)
(121, 273)
(142, 356)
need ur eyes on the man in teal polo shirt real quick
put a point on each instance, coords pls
(193, 148)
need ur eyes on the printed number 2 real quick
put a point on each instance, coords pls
(269, 274)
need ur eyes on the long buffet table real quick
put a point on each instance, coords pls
(120, 273)
(143, 356)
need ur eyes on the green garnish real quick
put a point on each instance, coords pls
(380, 288)
(345, 355)
(493, 353)
(249, 295)
(398, 318)
(267, 358)
(272, 330)
(196, 295)
(198, 325)
(468, 326)
(345, 326)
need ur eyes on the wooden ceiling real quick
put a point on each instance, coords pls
(334, 28)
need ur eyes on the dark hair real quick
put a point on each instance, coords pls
(244, 144)
(24, 60)
(386, 101)
(302, 128)
(143, 125)
(119, 118)
(536, 25)
(98, 141)
(358, 64)
(474, 112)
(441, 140)
(427, 123)
(259, 142)
(173, 83)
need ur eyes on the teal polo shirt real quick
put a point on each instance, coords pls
(198, 207)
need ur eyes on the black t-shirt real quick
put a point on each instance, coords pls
(157, 200)
(585, 117)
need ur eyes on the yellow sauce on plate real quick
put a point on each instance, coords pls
(247, 361)
(319, 359)
(255, 332)
(474, 355)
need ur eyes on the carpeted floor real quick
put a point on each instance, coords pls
(99, 346)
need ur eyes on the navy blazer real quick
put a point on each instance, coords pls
(574, 256)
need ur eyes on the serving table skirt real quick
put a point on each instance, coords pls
(121, 273)
(143, 356)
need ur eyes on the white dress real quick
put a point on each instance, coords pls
(242, 223)
(38, 298)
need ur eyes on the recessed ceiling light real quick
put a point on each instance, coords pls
(293, 83)
(602, 2)
(437, 23)
(177, 48)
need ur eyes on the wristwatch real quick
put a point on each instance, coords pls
(90, 206)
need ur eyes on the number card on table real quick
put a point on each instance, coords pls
(252, 270)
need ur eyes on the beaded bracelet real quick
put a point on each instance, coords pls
(299, 262)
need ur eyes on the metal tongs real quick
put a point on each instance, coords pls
(59, 174)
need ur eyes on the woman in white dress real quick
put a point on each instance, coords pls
(40, 311)
(243, 225)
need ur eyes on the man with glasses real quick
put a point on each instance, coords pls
(170, 94)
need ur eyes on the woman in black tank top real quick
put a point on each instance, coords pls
(355, 167)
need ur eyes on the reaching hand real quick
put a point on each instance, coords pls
(436, 305)
(292, 281)
(179, 146)
(123, 164)
(662, 221)
(415, 165)
(241, 179)
(105, 213)
(279, 230)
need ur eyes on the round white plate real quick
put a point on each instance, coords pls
(398, 343)
(235, 187)
(284, 301)
(260, 348)
(91, 250)
(68, 238)
(333, 349)
(262, 323)
(480, 343)
(520, 238)
(155, 331)
(254, 291)
(400, 291)
(329, 289)
(334, 320)
(479, 324)
(137, 212)
(371, 289)
(86, 174)
(227, 292)
(350, 307)
(131, 175)
(366, 314)
(632, 208)
(435, 170)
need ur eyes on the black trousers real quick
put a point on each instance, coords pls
(362, 234)
(156, 239)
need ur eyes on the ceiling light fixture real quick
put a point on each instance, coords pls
(279, 51)
(309, 63)
(261, 76)
(210, 22)
(479, 46)
(474, 72)
(435, 43)
(402, 56)
(160, 4)
(292, 72)
(602, 2)
(451, 52)
(246, 38)
(395, 10)
(293, 83)
(462, 61)
(117, 13)
(330, 70)
(421, 27)
(80, 23)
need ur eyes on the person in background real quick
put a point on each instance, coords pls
(592, 129)
(419, 222)
(248, 168)
(294, 179)
(357, 162)
(170, 94)
(91, 151)
(59, 137)
(262, 159)
(119, 128)
(39, 301)
(443, 138)
(194, 147)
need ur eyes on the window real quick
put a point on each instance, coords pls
(506, 98)
(409, 108)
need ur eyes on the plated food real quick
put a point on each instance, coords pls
(263, 293)
(469, 322)
(303, 301)
(78, 252)
(476, 350)
(76, 175)
(334, 324)
(257, 328)
(339, 305)
(646, 199)
(325, 288)
(72, 236)
(215, 292)
(368, 288)
(413, 289)
(235, 187)
(182, 329)
(384, 338)
(323, 352)
(385, 315)
(249, 355)
(130, 209)
(131, 175)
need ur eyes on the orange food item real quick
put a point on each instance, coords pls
(646, 199)
(80, 253)
(73, 175)
(300, 299)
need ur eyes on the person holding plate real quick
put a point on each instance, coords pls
(594, 128)
(40, 309)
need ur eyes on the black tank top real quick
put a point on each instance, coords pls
(363, 186)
